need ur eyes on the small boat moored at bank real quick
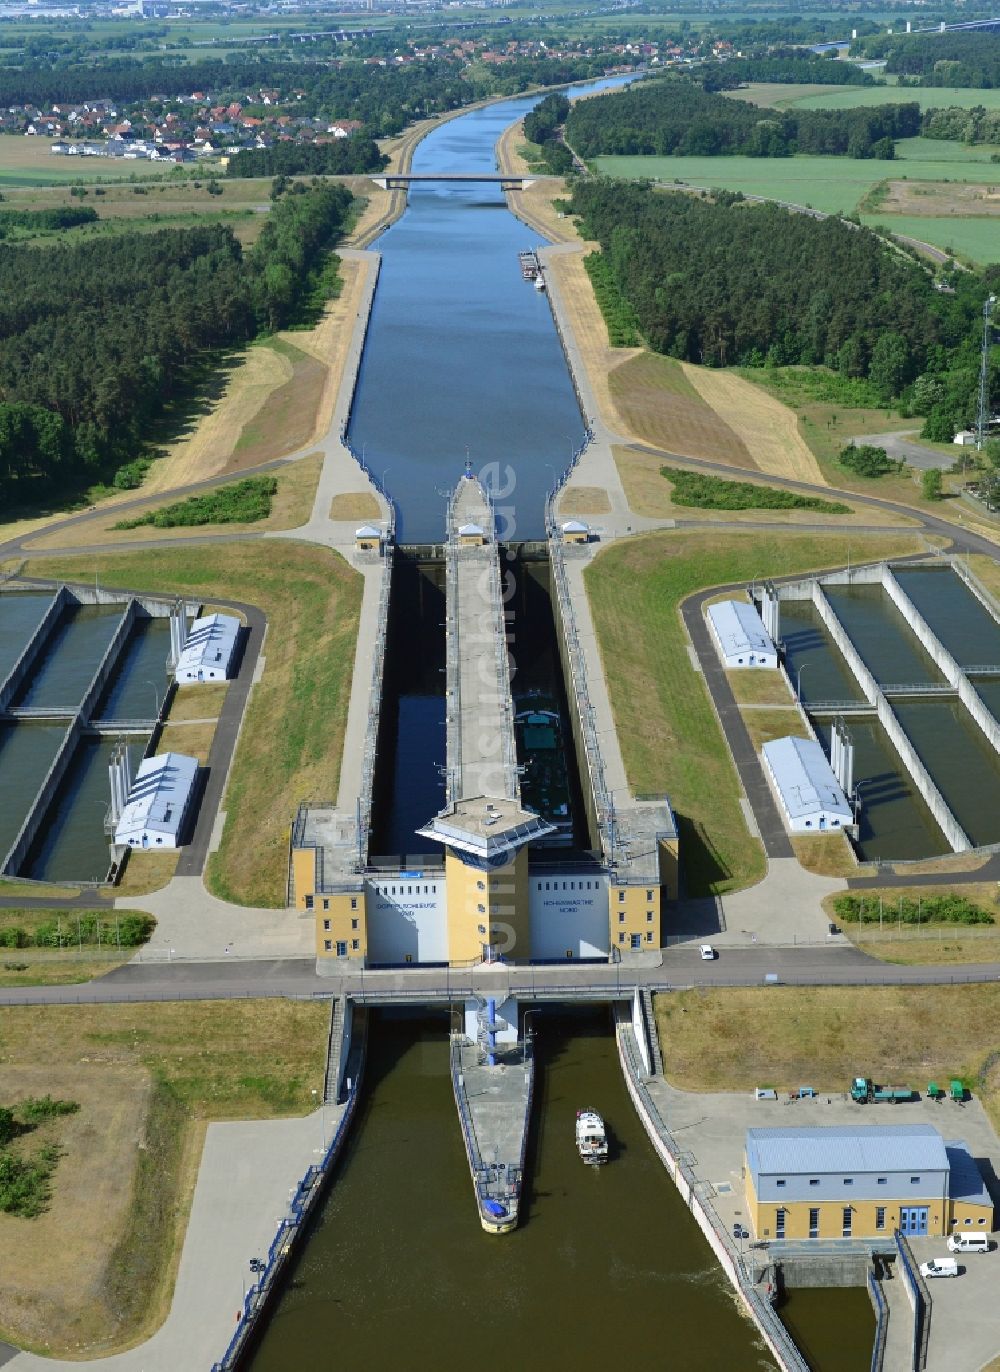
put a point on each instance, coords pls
(591, 1137)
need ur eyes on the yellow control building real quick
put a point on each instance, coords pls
(862, 1182)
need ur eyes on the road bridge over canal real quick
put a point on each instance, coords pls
(507, 181)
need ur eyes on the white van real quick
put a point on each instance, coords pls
(939, 1267)
(968, 1243)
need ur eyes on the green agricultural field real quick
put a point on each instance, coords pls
(977, 240)
(927, 97)
(833, 184)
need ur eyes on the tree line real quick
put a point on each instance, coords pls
(724, 283)
(782, 67)
(676, 117)
(978, 125)
(55, 217)
(968, 59)
(97, 338)
(344, 157)
(543, 126)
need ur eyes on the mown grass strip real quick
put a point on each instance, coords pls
(293, 732)
(670, 738)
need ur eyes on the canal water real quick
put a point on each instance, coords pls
(72, 656)
(895, 823)
(26, 753)
(609, 1268)
(814, 663)
(462, 356)
(20, 613)
(965, 767)
(887, 645)
(72, 845)
(958, 617)
(138, 683)
(833, 1327)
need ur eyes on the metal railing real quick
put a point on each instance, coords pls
(920, 1300)
(761, 1309)
(881, 1321)
(290, 1226)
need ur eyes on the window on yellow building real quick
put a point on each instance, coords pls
(326, 924)
(327, 945)
(880, 1217)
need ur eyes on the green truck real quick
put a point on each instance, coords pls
(863, 1090)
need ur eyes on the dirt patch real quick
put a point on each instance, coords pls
(938, 198)
(768, 429)
(584, 500)
(54, 1295)
(355, 505)
(659, 404)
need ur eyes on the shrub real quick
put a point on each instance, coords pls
(25, 1183)
(944, 909)
(244, 502)
(623, 326)
(865, 460)
(713, 493)
(38, 1108)
(131, 475)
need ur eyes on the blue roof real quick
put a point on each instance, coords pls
(965, 1182)
(846, 1148)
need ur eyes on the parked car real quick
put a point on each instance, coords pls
(707, 952)
(939, 1267)
(968, 1243)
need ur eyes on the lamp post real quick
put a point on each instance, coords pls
(156, 696)
(798, 682)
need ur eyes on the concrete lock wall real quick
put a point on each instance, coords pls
(827, 1269)
(568, 914)
(407, 918)
(34, 647)
(919, 775)
(19, 848)
(109, 661)
(947, 664)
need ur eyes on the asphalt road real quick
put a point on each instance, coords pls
(233, 980)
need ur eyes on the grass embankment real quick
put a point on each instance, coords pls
(910, 931)
(825, 1035)
(95, 1272)
(704, 492)
(659, 405)
(293, 732)
(61, 947)
(670, 738)
(290, 505)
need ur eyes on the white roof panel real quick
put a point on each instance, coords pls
(158, 796)
(846, 1148)
(210, 643)
(805, 778)
(739, 628)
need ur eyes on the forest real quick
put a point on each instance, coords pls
(675, 117)
(340, 158)
(96, 338)
(385, 99)
(784, 68)
(543, 126)
(725, 282)
(978, 125)
(970, 59)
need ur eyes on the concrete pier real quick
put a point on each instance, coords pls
(494, 1110)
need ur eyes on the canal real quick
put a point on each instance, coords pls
(609, 1268)
(20, 613)
(887, 645)
(462, 357)
(957, 616)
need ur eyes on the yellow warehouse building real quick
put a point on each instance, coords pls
(864, 1182)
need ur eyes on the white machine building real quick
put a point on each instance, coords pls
(208, 650)
(158, 802)
(811, 799)
(740, 635)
